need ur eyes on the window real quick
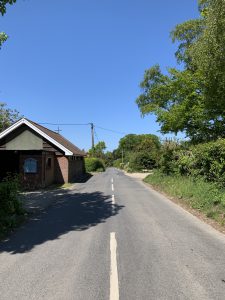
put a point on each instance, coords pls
(30, 165)
(49, 162)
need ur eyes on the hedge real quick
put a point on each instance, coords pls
(206, 160)
(11, 210)
(94, 165)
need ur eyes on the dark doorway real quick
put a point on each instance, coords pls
(9, 163)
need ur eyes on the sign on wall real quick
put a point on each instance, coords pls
(30, 165)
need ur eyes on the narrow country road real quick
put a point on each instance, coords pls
(113, 238)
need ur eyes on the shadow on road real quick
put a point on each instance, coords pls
(73, 212)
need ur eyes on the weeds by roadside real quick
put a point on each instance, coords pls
(204, 196)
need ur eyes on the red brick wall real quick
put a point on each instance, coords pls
(76, 169)
(61, 169)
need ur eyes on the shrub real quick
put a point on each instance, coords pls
(185, 162)
(118, 164)
(209, 161)
(206, 160)
(10, 206)
(94, 165)
(141, 160)
(168, 157)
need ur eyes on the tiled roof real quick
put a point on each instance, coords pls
(60, 139)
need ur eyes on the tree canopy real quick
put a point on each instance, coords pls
(138, 142)
(7, 116)
(98, 150)
(3, 3)
(191, 100)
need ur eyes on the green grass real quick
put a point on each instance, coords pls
(195, 192)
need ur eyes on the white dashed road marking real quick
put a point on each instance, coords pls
(114, 282)
(113, 200)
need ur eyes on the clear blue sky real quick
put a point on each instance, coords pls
(81, 61)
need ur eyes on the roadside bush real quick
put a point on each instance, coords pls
(141, 160)
(168, 157)
(10, 206)
(118, 164)
(184, 163)
(94, 165)
(209, 161)
(206, 160)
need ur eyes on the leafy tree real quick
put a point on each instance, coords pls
(98, 150)
(3, 3)
(7, 116)
(138, 142)
(3, 38)
(109, 158)
(128, 143)
(209, 56)
(186, 34)
(191, 100)
(137, 151)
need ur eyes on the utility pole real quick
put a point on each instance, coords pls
(58, 130)
(92, 135)
(122, 155)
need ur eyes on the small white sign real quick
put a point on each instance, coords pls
(30, 165)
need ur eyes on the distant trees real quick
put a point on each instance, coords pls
(138, 142)
(7, 116)
(98, 150)
(137, 152)
(191, 100)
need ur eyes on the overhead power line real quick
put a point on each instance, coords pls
(65, 124)
(96, 135)
(93, 131)
(83, 124)
(111, 130)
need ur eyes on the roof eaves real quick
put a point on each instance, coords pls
(40, 132)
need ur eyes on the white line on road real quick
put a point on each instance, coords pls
(113, 200)
(114, 282)
(112, 180)
(112, 187)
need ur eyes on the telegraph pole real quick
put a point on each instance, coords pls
(58, 130)
(92, 135)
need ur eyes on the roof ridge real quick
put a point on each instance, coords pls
(35, 123)
(59, 138)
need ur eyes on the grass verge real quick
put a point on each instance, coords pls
(196, 193)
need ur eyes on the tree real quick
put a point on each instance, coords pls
(181, 99)
(3, 3)
(128, 143)
(138, 142)
(209, 56)
(98, 150)
(7, 116)
(138, 151)
(3, 38)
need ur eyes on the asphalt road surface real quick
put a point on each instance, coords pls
(113, 238)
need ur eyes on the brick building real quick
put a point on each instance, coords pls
(39, 155)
